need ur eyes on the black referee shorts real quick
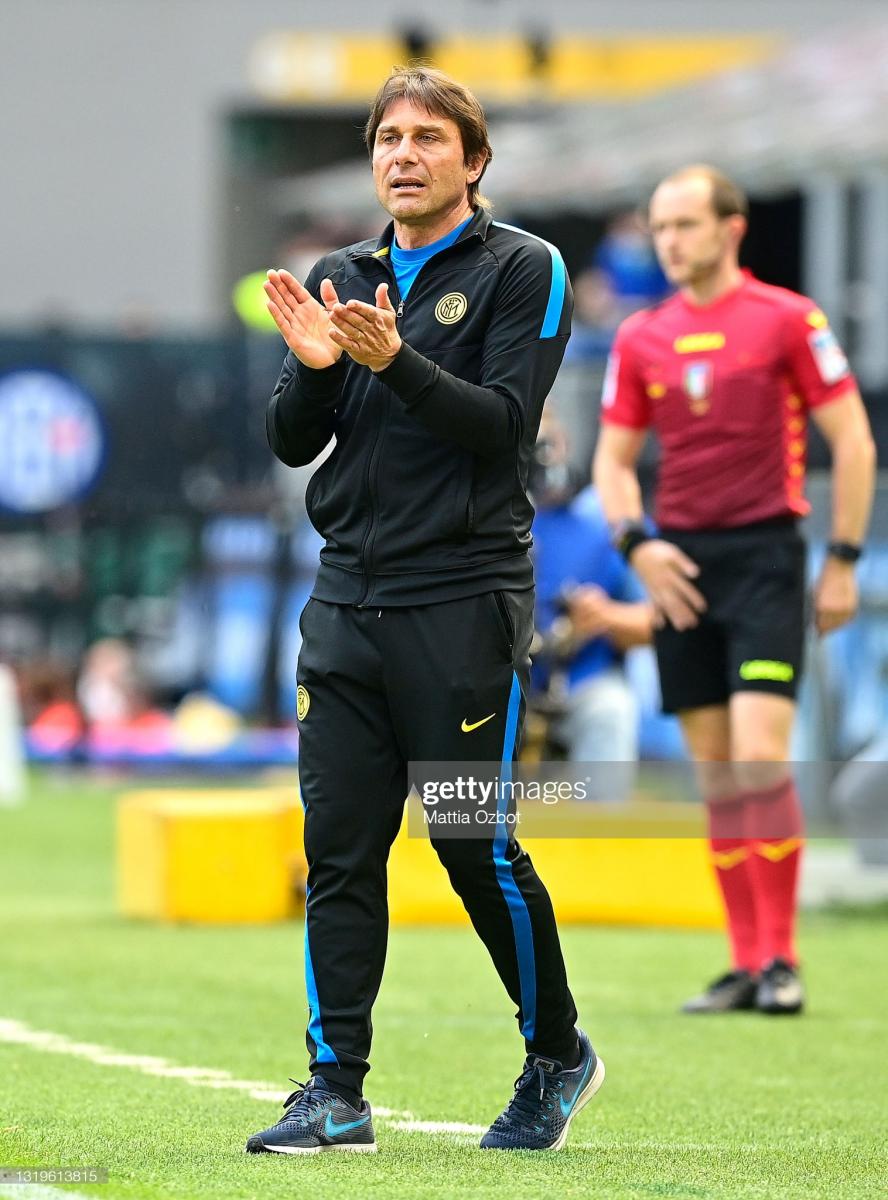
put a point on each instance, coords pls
(751, 636)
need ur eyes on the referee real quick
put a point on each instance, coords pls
(727, 372)
(426, 357)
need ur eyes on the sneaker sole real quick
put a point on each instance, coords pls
(353, 1148)
(583, 1099)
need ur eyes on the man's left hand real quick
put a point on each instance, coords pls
(367, 333)
(835, 595)
(589, 609)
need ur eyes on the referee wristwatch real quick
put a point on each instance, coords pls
(627, 535)
(848, 552)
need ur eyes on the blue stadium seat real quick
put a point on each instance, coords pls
(239, 554)
(241, 614)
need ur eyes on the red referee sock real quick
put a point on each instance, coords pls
(775, 827)
(731, 855)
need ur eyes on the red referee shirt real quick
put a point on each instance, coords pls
(726, 386)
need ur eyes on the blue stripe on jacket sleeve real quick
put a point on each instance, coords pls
(557, 288)
(552, 319)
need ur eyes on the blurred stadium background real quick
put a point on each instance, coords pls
(171, 153)
(158, 157)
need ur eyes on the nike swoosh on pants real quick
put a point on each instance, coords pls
(467, 728)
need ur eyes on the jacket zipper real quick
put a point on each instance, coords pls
(372, 463)
(370, 533)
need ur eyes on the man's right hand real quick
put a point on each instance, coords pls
(666, 574)
(303, 322)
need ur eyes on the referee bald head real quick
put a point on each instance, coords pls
(698, 217)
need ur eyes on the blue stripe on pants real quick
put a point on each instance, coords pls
(323, 1053)
(521, 926)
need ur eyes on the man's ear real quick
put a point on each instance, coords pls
(476, 166)
(738, 226)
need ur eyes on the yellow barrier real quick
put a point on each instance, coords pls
(236, 856)
(604, 877)
(226, 857)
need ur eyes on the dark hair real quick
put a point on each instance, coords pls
(728, 199)
(437, 93)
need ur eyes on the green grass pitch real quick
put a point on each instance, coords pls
(741, 1106)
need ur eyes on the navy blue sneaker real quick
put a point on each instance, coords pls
(546, 1100)
(316, 1120)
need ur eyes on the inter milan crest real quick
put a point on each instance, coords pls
(451, 308)
(697, 383)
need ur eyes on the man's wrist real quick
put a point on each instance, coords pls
(627, 535)
(299, 365)
(388, 362)
(844, 552)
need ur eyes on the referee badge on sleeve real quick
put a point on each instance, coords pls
(828, 355)
(611, 375)
(697, 384)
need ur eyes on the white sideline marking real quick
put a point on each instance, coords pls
(414, 1126)
(20, 1034)
(17, 1032)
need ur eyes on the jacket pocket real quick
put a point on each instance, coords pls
(470, 510)
(463, 518)
(467, 501)
(312, 505)
(505, 619)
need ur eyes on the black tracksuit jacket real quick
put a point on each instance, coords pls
(423, 498)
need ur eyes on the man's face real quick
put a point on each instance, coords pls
(418, 165)
(690, 240)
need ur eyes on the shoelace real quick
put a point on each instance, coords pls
(532, 1092)
(304, 1101)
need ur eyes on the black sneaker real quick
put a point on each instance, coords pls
(731, 993)
(316, 1120)
(546, 1100)
(780, 989)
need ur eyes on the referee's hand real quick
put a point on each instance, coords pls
(835, 595)
(666, 573)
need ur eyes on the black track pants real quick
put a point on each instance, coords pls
(382, 688)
